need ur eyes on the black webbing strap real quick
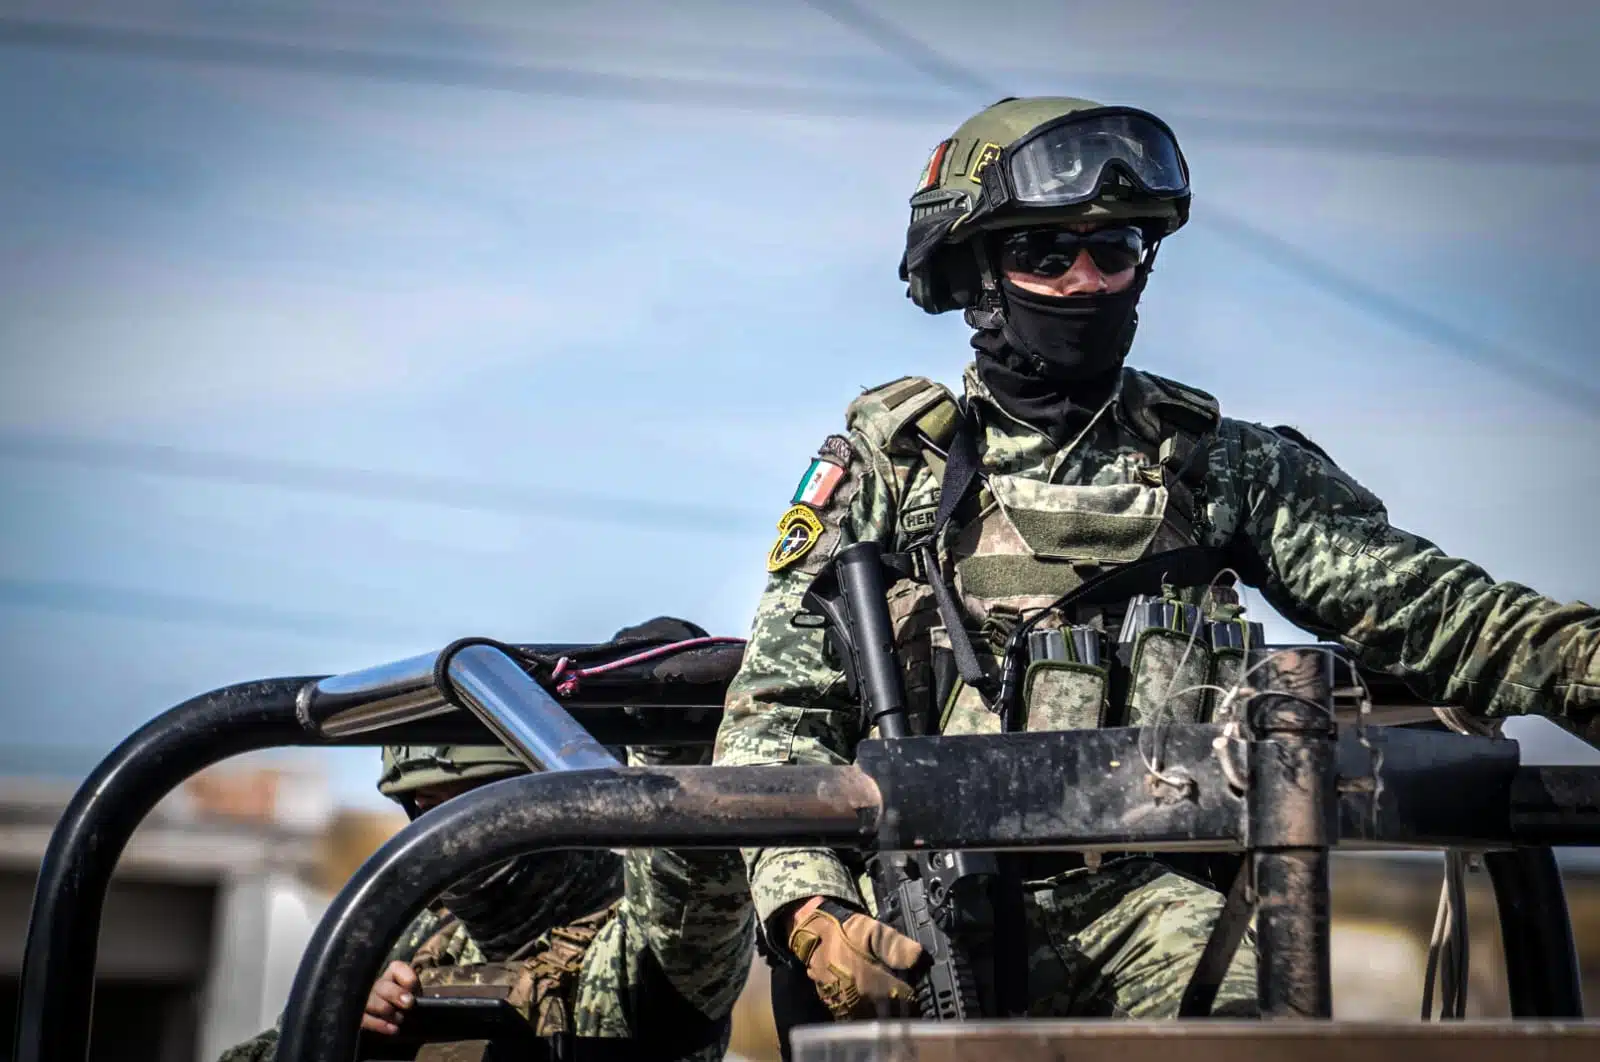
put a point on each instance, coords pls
(1201, 992)
(960, 473)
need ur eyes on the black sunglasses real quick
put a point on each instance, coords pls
(1051, 252)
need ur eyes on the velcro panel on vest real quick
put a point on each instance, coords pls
(993, 576)
(1111, 524)
(885, 415)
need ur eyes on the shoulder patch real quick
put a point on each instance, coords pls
(822, 478)
(825, 473)
(798, 533)
(883, 414)
(837, 448)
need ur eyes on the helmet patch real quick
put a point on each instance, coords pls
(930, 171)
(989, 153)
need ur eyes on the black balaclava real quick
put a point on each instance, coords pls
(1072, 338)
(510, 904)
(507, 906)
(1052, 360)
(1022, 391)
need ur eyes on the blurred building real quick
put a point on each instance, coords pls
(213, 902)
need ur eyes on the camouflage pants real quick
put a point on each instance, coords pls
(1123, 941)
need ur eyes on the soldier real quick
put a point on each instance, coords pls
(1040, 219)
(646, 951)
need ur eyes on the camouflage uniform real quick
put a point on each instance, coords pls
(678, 931)
(1122, 940)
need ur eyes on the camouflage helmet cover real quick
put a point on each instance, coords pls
(408, 768)
(950, 186)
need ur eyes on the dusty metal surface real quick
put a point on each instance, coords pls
(682, 807)
(1210, 1041)
(1064, 789)
(1292, 821)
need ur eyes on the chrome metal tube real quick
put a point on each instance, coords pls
(375, 697)
(522, 714)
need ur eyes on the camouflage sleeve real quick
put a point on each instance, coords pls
(787, 704)
(688, 911)
(261, 1048)
(1325, 555)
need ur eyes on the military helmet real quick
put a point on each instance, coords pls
(1033, 161)
(407, 768)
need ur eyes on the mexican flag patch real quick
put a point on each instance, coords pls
(822, 478)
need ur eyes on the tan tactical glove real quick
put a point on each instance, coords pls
(862, 968)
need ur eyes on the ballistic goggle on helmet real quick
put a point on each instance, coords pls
(1033, 162)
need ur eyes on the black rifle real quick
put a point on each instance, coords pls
(942, 900)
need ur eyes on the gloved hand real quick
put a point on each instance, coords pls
(862, 968)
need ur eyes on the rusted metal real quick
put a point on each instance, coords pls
(1212, 1041)
(1293, 818)
(686, 807)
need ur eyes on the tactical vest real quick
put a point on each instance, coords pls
(540, 985)
(1019, 542)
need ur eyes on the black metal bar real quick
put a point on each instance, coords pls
(1221, 946)
(377, 697)
(1293, 818)
(1556, 805)
(1057, 789)
(1423, 788)
(57, 990)
(1542, 973)
(708, 807)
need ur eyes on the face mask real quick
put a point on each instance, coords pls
(1071, 337)
(506, 906)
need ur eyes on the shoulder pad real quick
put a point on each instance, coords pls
(892, 415)
(1295, 435)
(1176, 406)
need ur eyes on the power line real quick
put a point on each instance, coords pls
(371, 484)
(1477, 145)
(1378, 303)
(549, 81)
(903, 46)
(1269, 248)
(211, 49)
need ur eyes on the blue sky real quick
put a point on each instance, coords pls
(670, 303)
